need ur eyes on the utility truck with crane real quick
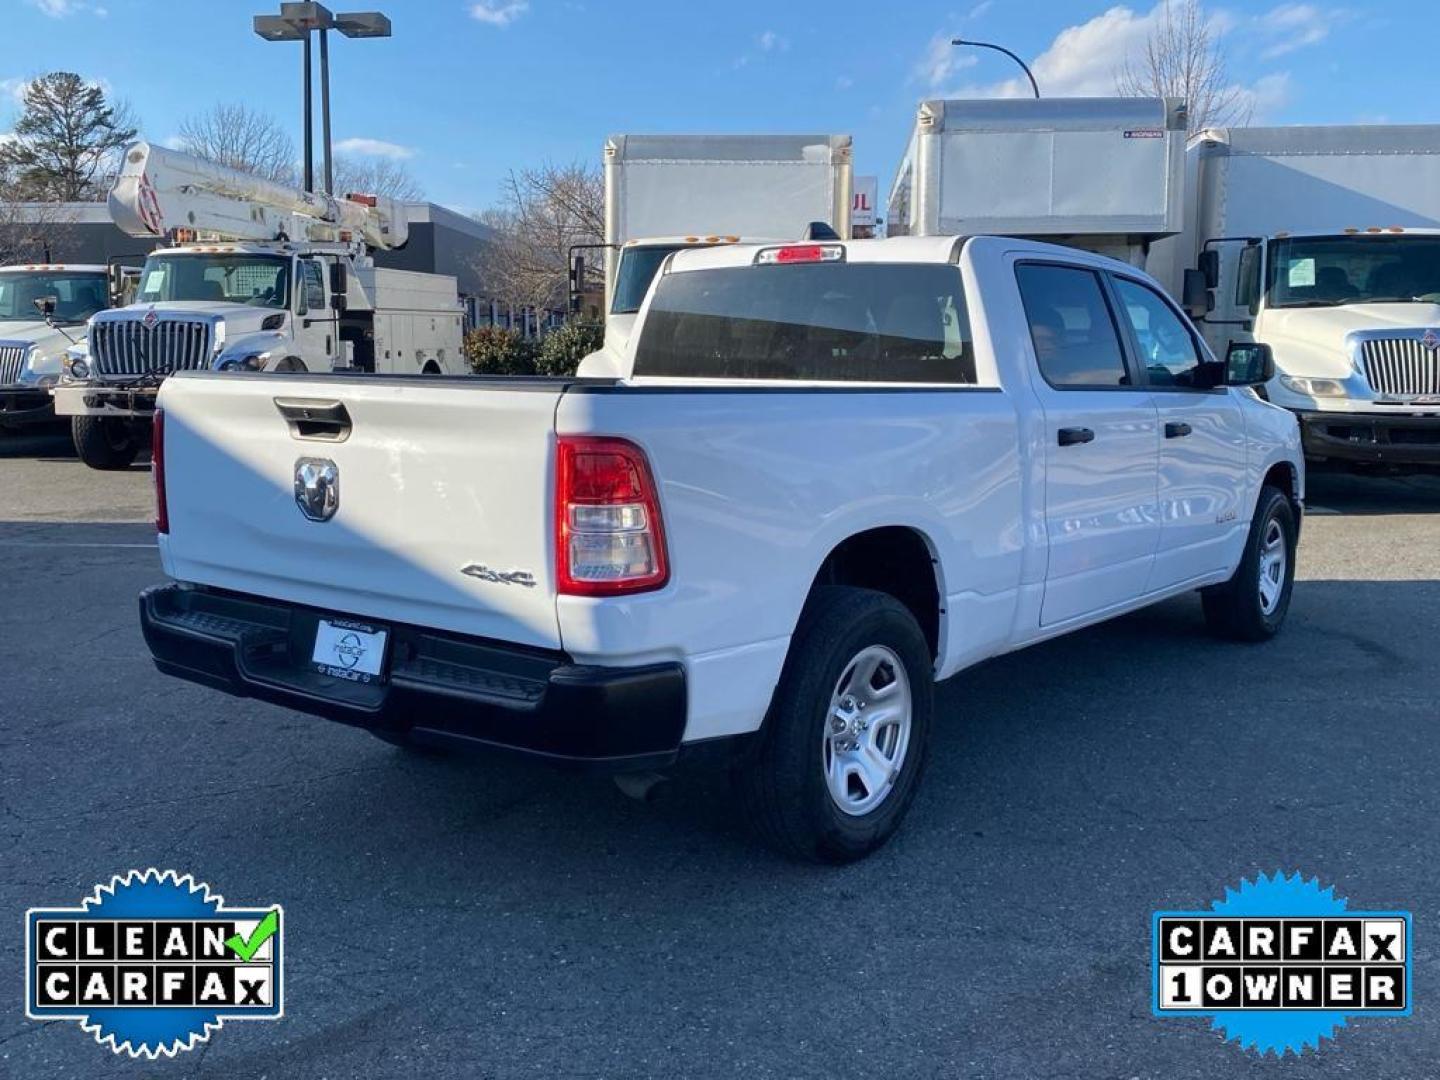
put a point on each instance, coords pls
(252, 276)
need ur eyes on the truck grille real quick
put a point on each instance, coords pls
(129, 347)
(12, 360)
(1402, 367)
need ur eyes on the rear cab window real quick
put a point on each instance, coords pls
(820, 322)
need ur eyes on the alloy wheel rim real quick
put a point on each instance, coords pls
(1274, 560)
(867, 730)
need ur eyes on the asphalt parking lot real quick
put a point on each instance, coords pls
(486, 918)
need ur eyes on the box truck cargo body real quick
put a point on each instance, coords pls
(1103, 174)
(1321, 242)
(666, 192)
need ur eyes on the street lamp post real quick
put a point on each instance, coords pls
(294, 23)
(1007, 52)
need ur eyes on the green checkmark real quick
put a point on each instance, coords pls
(261, 934)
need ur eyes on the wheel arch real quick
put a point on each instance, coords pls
(899, 560)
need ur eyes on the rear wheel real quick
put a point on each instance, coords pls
(1251, 606)
(104, 442)
(845, 742)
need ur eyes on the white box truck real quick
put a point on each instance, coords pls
(667, 192)
(1323, 243)
(1101, 174)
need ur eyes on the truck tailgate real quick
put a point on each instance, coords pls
(434, 476)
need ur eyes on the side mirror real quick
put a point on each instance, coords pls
(339, 286)
(577, 283)
(46, 305)
(1197, 300)
(1249, 363)
(1209, 264)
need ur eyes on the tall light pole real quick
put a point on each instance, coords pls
(295, 23)
(1007, 52)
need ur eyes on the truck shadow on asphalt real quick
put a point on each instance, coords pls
(1332, 491)
(52, 443)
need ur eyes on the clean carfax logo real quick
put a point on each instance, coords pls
(153, 962)
(1280, 964)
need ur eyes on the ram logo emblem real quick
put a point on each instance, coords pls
(317, 488)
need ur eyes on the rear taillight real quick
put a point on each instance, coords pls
(157, 471)
(608, 535)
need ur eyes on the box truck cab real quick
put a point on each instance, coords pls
(1323, 243)
(43, 310)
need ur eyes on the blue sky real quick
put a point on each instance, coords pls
(467, 89)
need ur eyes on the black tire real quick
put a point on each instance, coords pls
(291, 363)
(783, 786)
(1236, 610)
(104, 442)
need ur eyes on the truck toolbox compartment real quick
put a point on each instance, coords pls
(438, 688)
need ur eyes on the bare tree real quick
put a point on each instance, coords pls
(1183, 59)
(238, 137)
(375, 176)
(31, 231)
(68, 137)
(543, 212)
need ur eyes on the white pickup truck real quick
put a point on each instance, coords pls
(833, 473)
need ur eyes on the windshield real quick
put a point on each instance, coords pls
(77, 296)
(261, 280)
(833, 322)
(1327, 271)
(637, 270)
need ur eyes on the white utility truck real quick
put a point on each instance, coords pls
(828, 474)
(255, 276)
(667, 192)
(1324, 244)
(43, 311)
(1100, 174)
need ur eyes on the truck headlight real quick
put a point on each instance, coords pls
(1313, 387)
(248, 362)
(76, 368)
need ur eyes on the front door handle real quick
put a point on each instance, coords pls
(1177, 430)
(1073, 436)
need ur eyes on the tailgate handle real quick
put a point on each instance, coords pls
(324, 421)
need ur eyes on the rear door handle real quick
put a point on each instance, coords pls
(325, 421)
(1177, 430)
(1072, 436)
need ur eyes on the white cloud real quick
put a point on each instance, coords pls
(1293, 26)
(60, 9)
(499, 12)
(979, 10)
(844, 82)
(14, 89)
(374, 148)
(940, 62)
(1085, 59)
(770, 41)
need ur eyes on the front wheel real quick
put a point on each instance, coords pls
(845, 742)
(1251, 606)
(104, 442)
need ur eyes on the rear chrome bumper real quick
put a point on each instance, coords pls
(438, 688)
(1381, 438)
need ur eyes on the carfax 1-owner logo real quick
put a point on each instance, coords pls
(153, 962)
(1280, 964)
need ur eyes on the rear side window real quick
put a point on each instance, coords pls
(829, 322)
(1076, 342)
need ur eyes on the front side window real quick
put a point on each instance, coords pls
(259, 280)
(314, 286)
(77, 296)
(826, 322)
(1167, 349)
(1076, 343)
